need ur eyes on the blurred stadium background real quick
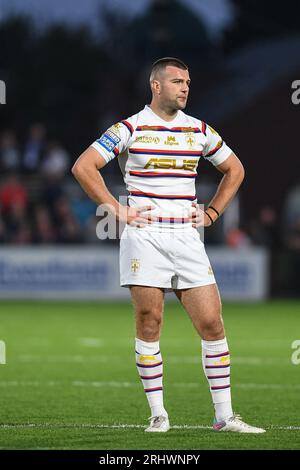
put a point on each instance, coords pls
(71, 70)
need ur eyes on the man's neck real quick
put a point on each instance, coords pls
(162, 113)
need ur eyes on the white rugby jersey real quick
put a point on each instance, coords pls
(159, 162)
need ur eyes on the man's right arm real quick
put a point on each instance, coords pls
(86, 171)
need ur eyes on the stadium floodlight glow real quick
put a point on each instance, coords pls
(2, 92)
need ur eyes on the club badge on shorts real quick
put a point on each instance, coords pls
(135, 265)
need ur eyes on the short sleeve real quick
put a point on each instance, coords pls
(216, 151)
(114, 141)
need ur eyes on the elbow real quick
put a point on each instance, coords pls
(76, 170)
(242, 173)
(238, 171)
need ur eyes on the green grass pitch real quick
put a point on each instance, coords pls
(70, 380)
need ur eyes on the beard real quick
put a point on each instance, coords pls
(181, 103)
(176, 104)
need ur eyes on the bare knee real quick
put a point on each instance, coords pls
(148, 323)
(213, 328)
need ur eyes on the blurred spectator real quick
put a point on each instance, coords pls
(290, 260)
(17, 223)
(237, 238)
(90, 234)
(83, 209)
(22, 235)
(291, 209)
(81, 205)
(66, 225)
(56, 162)
(13, 193)
(34, 148)
(9, 152)
(44, 231)
(264, 230)
(50, 192)
(3, 234)
(289, 265)
(293, 237)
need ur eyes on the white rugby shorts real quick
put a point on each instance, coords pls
(163, 259)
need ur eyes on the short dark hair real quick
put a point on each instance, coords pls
(162, 63)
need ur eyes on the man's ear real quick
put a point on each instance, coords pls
(156, 87)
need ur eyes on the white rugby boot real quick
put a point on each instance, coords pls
(235, 424)
(158, 424)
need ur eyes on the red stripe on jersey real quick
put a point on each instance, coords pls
(166, 152)
(218, 146)
(128, 125)
(156, 173)
(167, 196)
(170, 129)
(174, 219)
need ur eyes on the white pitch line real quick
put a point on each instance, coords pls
(196, 359)
(136, 384)
(91, 342)
(76, 358)
(122, 426)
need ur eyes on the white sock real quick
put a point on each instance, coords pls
(216, 366)
(150, 368)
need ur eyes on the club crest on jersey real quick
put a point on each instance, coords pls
(135, 265)
(168, 163)
(190, 139)
(170, 140)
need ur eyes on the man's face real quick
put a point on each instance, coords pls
(174, 87)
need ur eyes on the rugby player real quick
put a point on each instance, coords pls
(158, 150)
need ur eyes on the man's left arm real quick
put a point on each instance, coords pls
(234, 173)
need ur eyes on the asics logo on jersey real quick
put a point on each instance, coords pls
(168, 163)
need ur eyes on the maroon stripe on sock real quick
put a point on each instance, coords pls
(217, 367)
(151, 377)
(220, 388)
(155, 354)
(147, 390)
(217, 355)
(218, 376)
(149, 366)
